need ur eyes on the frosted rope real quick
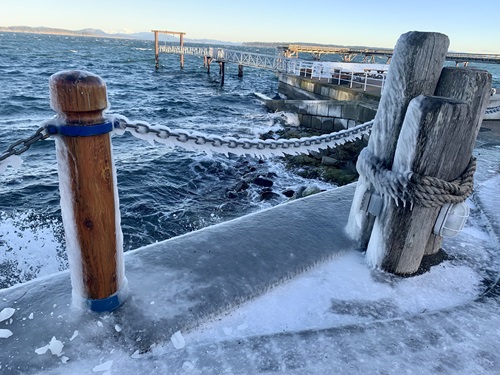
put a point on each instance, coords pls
(412, 187)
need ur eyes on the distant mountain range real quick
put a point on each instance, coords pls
(97, 33)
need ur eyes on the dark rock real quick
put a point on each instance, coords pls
(310, 190)
(231, 194)
(261, 181)
(327, 160)
(303, 159)
(265, 136)
(266, 195)
(288, 193)
(298, 193)
(240, 186)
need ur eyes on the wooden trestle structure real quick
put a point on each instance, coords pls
(181, 43)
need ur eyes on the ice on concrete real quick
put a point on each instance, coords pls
(187, 366)
(55, 346)
(178, 340)
(366, 321)
(75, 334)
(5, 333)
(6, 313)
(106, 366)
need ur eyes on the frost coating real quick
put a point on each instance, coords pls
(210, 144)
(120, 265)
(178, 340)
(70, 232)
(5, 333)
(6, 313)
(72, 246)
(55, 346)
(106, 366)
(79, 76)
(376, 248)
(14, 161)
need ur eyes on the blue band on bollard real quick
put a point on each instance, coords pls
(105, 304)
(79, 130)
(109, 303)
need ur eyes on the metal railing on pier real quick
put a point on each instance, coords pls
(354, 75)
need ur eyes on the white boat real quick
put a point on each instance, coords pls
(493, 109)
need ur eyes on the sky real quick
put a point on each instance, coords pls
(472, 26)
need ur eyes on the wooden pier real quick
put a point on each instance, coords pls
(349, 53)
(181, 44)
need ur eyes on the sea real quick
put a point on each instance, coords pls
(163, 192)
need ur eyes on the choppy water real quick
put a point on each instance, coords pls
(163, 193)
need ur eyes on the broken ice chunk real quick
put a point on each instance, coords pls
(56, 346)
(118, 328)
(42, 350)
(106, 366)
(178, 340)
(64, 359)
(187, 366)
(6, 313)
(5, 333)
(74, 335)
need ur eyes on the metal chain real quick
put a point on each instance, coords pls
(22, 145)
(142, 129)
(215, 143)
(492, 110)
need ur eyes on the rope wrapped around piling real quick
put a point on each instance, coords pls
(412, 187)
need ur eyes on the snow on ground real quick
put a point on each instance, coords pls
(346, 292)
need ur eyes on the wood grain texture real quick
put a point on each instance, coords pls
(415, 69)
(472, 86)
(81, 98)
(431, 140)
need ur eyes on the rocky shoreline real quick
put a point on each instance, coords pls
(336, 166)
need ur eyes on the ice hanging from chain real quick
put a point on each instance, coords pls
(209, 144)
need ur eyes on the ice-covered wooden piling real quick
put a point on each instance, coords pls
(430, 136)
(89, 200)
(415, 68)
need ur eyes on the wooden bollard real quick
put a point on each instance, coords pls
(434, 131)
(415, 68)
(240, 70)
(89, 199)
(473, 86)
